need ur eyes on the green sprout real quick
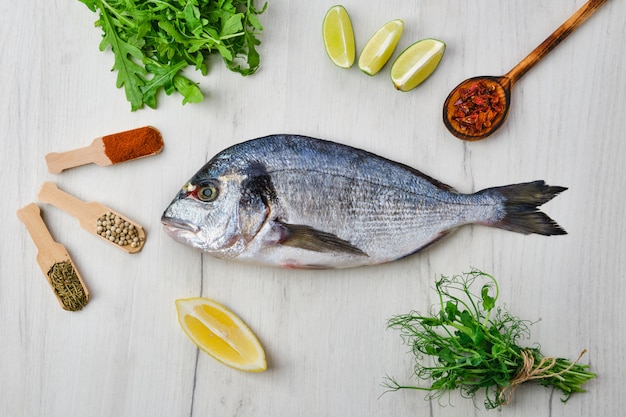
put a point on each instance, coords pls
(474, 347)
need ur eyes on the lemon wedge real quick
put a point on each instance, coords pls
(380, 47)
(339, 37)
(219, 332)
(416, 63)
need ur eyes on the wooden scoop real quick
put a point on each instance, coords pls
(502, 85)
(109, 150)
(88, 214)
(71, 292)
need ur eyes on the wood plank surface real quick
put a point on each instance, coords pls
(324, 331)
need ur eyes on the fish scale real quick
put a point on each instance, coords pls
(300, 202)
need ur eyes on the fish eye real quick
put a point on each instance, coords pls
(207, 193)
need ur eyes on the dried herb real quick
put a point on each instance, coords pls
(477, 106)
(67, 286)
(474, 347)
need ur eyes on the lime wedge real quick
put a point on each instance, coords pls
(416, 63)
(380, 47)
(339, 37)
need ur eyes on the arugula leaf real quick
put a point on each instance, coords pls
(163, 79)
(154, 41)
(232, 26)
(130, 74)
(188, 89)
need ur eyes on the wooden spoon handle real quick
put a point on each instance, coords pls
(554, 39)
(94, 153)
(30, 215)
(51, 194)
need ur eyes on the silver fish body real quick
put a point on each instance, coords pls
(301, 202)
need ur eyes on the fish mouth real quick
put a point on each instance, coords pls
(173, 225)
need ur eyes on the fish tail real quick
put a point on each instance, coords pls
(520, 203)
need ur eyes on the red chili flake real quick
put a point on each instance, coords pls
(477, 107)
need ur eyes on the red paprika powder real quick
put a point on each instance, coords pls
(132, 144)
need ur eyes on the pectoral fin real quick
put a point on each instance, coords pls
(306, 237)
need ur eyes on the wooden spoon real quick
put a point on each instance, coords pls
(109, 150)
(503, 85)
(88, 214)
(70, 291)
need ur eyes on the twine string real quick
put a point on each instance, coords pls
(529, 372)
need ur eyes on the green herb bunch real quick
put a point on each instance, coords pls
(474, 346)
(153, 41)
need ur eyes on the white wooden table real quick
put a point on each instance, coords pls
(324, 331)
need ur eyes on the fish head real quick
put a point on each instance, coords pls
(216, 212)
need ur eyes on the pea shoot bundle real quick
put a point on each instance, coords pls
(474, 346)
(154, 41)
